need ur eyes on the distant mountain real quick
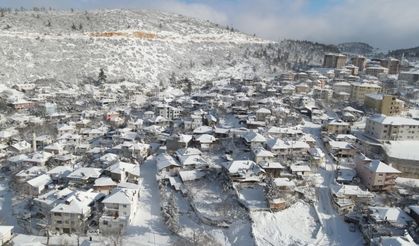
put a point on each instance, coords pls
(307, 52)
(410, 53)
(142, 46)
(356, 48)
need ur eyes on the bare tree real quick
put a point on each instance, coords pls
(116, 236)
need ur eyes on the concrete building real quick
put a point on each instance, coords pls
(332, 60)
(73, 215)
(392, 64)
(338, 127)
(352, 69)
(359, 90)
(359, 61)
(120, 207)
(262, 113)
(168, 111)
(341, 86)
(384, 104)
(376, 175)
(404, 156)
(287, 76)
(383, 127)
(376, 70)
(411, 76)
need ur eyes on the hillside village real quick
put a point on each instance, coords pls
(307, 155)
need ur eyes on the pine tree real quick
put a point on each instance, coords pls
(102, 76)
(172, 79)
(189, 86)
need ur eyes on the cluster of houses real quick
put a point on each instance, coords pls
(76, 157)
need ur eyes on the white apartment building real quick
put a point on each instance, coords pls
(168, 111)
(73, 214)
(394, 128)
(120, 207)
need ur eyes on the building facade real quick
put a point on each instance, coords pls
(376, 175)
(384, 104)
(332, 60)
(359, 90)
(359, 61)
(395, 128)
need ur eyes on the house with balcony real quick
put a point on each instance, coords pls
(120, 207)
(376, 175)
(75, 212)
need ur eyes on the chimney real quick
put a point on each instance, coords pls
(34, 142)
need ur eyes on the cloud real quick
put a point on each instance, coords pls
(196, 10)
(385, 24)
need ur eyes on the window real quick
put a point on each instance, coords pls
(124, 205)
(59, 222)
(105, 222)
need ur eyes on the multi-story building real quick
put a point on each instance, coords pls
(384, 104)
(332, 60)
(376, 70)
(359, 61)
(74, 214)
(353, 70)
(376, 175)
(287, 76)
(120, 207)
(383, 127)
(392, 64)
(341, 86)
(359, 90)
(338, 127)
(412, 76)
(168, 111)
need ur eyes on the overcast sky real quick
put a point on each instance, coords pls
(385, 24)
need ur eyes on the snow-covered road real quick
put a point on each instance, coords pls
(6, 206)
(336, 230)
(148, 227)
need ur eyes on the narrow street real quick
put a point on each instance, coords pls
(6, 205)
(336, 230)
(148, 227)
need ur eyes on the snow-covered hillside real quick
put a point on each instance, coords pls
(141, 46)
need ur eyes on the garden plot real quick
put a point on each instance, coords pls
(297, 225)
(214, 200)
(253, 196)
(193, 230)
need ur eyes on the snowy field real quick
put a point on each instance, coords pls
(295, 225)
(213, 200)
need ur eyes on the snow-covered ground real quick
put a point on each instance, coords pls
(414, 183)
(295, 225)
(253, 197)
(197, 49)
